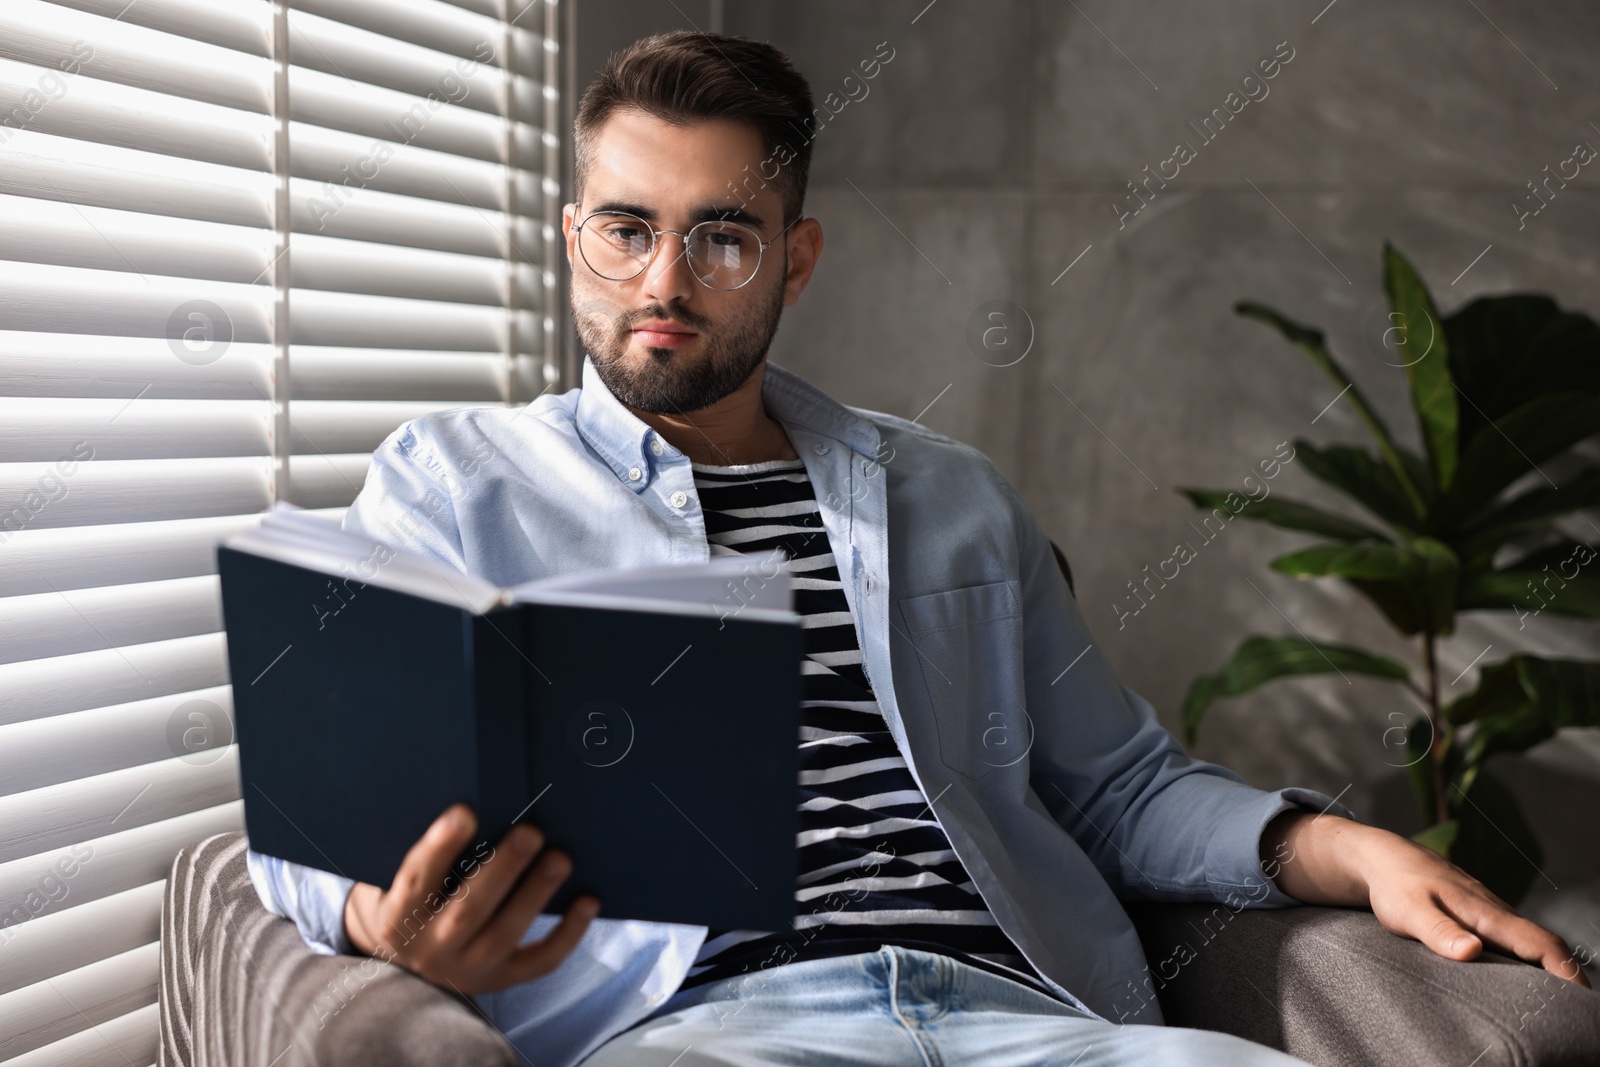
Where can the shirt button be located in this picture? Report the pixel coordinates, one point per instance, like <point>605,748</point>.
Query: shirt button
<point>679,499</point>
<point>821,450</point>
<point>655,446</point>
<point>634,474</point>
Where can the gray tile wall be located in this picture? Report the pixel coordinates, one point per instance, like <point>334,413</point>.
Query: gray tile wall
<point>988,156</point>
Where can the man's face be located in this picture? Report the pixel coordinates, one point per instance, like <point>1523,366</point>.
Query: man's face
<point>674,177</point>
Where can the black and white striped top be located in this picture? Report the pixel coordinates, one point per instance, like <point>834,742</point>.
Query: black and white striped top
<point>875,865</point>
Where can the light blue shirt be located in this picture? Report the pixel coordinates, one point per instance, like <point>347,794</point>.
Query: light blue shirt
<point>1056,785</point>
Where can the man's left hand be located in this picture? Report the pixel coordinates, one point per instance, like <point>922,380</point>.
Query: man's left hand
<point>1414,892</point>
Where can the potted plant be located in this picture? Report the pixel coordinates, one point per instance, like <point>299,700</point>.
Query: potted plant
<point>1501,388</point>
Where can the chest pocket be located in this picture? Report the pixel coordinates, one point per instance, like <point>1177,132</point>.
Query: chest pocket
<point>967,644</point>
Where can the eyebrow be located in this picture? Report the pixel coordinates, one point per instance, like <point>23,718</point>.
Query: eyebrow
<point>704,213</point>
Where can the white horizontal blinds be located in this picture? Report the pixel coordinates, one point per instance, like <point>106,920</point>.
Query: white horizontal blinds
<point>422,217</point>
<point>223,280</point>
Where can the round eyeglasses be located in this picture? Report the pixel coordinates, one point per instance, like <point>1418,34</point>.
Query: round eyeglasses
<point>618,246</point>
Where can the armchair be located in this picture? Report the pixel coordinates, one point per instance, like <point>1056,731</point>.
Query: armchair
<point>239,988</point>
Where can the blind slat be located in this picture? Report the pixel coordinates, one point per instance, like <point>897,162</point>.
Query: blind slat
<point>46,167</point>
<point>58,234</point>
<point>124,52</point>
<point>128,1039</point>
<point>378,59</point>
<point>38,949</point>
<point>105,113</point>
<point>51,819</point>
<point>41,688</point>
<point>46,752</point>
<point>60,623</point>
<point>429,23</point>
<point>330,373</point>
<point>113,863</point>
<point>82,557</point>
<point>240,25</point>
<point>41,1014</point>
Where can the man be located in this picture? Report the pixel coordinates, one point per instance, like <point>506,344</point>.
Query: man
<point>977,788</point>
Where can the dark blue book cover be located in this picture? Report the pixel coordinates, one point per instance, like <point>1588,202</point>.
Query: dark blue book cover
<point>658,749</point>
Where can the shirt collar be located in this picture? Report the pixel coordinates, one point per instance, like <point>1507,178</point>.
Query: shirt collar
<point>623,439</point>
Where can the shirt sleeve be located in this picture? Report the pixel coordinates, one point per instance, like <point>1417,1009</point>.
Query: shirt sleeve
<point>1157,823</point>
<point>312,899</point>
<point>408,498</point>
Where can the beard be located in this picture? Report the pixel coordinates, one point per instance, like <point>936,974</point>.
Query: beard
<point>673,380</point>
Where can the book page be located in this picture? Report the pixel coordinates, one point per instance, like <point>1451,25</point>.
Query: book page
<point>754,586</point>
<point>289,535</point>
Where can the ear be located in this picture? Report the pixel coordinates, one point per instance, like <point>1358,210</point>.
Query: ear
<point>569,217</point>
<point>803,243</point>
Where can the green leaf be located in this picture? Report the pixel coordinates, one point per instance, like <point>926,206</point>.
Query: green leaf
<point>1532,510</point>
<point>1524,700</point>
<point>1561,579</point>
<point>1365,559</point>
<point>1517,443</point>
<point>1506,350</point>
<point>1362,477</point>
<point>1427,363</point>
<point>1314,344</point>
<point>1414,585</point>
<point>1499,691</point>
<point>1440,837</point>
<point>1289,514</point>
<point>1495,844</point>
<point>1264,659</point>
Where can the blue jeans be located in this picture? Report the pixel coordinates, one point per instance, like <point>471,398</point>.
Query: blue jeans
<point>901,1007</point>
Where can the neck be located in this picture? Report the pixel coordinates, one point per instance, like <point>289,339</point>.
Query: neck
<point>734,430</point>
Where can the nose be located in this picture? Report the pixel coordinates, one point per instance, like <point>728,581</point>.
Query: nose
<point>669,277</point>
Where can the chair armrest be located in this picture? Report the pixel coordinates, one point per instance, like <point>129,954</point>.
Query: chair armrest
<point>240,987</point>
<point>1333,987</point>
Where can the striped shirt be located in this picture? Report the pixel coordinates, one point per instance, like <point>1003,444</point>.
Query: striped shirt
<point>875,866</point>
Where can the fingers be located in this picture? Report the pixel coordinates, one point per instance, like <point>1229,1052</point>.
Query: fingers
<point>542,957</point>
<point>1509,932</point>
<point>499,939</point>
<point>469,912</point>
<point>1444,934</point>
<point>422,872</point>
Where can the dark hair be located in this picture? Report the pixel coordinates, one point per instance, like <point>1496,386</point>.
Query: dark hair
<point>685,77</point>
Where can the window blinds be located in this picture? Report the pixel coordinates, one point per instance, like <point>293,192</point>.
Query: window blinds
<point>240,242</point>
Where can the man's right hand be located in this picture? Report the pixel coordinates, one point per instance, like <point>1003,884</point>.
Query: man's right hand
<point>468,939</point>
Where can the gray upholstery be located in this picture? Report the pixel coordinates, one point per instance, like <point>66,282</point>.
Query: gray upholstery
<point>240,989</point>
<point>1333,987</point>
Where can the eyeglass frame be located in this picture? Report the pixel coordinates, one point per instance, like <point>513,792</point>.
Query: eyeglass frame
<point>761,246</point>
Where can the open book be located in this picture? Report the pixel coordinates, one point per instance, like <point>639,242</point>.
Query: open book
<point>645,719</point>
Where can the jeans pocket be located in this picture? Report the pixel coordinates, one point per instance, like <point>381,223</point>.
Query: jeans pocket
<point>968,646</point>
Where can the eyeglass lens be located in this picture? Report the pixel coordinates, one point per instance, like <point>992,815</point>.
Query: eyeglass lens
<point>723,255</point>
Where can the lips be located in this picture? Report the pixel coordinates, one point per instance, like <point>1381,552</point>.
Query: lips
<point>658,333</point>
